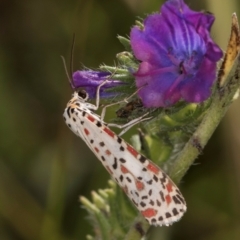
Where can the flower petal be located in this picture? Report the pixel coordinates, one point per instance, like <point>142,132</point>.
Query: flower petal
<point>90,80</point>
<point>156,93</point>
<point>196,90</point>
<point>178,57</point>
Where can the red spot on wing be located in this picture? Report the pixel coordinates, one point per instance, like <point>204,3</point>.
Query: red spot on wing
<point>169,187</point>
<point>168,199</point>
<point>139,185</point>
<point>108,152</point>
<point>153,168</point>
<point>123,169</point>
<point>109,132</point>
<point>91,118</point>
<point>86,131</point>
<point>96,149</point>
<point>149,212</point>
<point>132,150</point>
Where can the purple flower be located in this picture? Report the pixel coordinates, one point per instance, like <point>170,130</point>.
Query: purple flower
<point>90,80</point>
<point>178,57</point>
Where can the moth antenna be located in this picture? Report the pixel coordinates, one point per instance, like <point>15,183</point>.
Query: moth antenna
<point>66,70</point>
<point>72,53</point>
<point>71,62</point>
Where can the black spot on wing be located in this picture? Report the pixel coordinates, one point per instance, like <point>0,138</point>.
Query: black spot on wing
<point>151,202</point>
<point>119,140</point>
<point>153,220</point>
<point>129,179</point>
<point>155,178</point>
<point>180,198</point>
<point>121,178</point>
<point>142,159</point>
<point>168,215</point>
<point>115,163</point>
<point>150,182</point>
<point>176,201</point>
<point>68,111</point>
<point>136,193</point>
<point>99,124</point>
<point>175,212</point>
<point>122,148</point>
<point>162,196</point>
<point>122,160</point>
<point>158,203</point>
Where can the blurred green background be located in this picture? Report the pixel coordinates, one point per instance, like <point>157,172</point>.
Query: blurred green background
<point>44,167</point>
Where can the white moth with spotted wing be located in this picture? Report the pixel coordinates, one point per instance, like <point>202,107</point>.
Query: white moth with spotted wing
<point>148,187</point>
